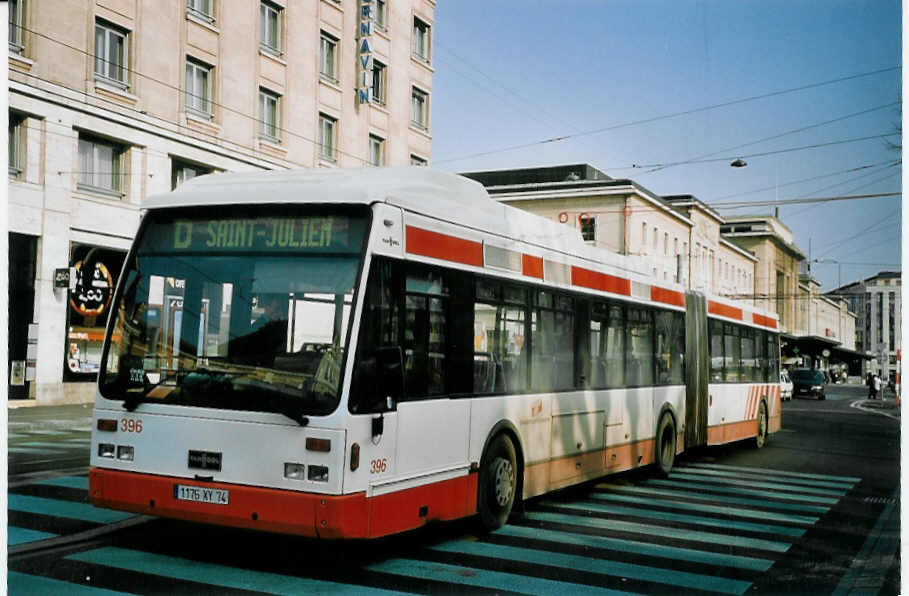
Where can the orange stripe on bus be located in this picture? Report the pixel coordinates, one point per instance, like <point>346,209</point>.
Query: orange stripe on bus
<point>765,321</point>
<point>600,281</point>
<point>730,312</point>
<point>532,266</point>
<point>667,296</point>
<point>442,246</point>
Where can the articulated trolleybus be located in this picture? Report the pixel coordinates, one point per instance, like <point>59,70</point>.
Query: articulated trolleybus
<point>350,354</point>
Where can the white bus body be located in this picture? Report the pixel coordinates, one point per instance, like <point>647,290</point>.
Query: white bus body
<point>362,469</point>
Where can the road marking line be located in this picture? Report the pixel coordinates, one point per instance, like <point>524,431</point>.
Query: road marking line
<point>678,517</point>
<point>22,535</point>
<point>687,494</point>
<point>481,578</point>
<point>720,509</point>
<point>775,473</point>
<point>794,482</point>
<point>80,482</point>
<point>34,450</point>
<point>24,583</point>
<point>664,531</point>
<point>777,487</point>
<point>870,566</point>
<point>67,509</point>
<point>639,548</point>
<point>214,574</point>
<point>713,488</point>
<point>594,565</point>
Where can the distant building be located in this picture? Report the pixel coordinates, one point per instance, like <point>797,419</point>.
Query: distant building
<point>876,301</point>
<point>676,238</point>
<point>110,101</point>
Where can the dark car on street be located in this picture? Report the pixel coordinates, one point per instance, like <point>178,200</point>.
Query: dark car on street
<point>808,382</point>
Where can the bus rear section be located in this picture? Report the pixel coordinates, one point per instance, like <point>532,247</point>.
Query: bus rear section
<point>223,365</point>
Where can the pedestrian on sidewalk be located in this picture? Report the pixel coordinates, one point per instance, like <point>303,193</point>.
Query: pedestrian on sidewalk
<point>877,388</point>
<point>869,381</point>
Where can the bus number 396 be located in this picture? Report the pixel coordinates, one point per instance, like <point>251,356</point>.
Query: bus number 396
<point>129,425</point>
<point>378,466</point>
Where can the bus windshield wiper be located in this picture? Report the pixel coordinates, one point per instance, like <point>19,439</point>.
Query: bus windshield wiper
<point>278,401</point>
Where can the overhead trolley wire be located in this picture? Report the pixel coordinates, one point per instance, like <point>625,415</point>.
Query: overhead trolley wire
<point>672,115</point>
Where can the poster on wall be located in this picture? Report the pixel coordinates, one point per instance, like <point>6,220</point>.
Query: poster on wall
<point>89,304</point>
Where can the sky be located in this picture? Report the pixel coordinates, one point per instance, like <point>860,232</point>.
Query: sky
<point>647,83</point>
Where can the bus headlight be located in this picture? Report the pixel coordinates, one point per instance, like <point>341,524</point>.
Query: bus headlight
<point>293,471</point>
<point>106,450</point>
<point>125,453</point>
<point>318,473</point>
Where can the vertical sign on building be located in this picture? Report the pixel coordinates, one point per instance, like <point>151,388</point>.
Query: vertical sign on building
<point>364,55</point>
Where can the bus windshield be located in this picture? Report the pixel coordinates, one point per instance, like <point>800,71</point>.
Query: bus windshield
<point>242,311</point>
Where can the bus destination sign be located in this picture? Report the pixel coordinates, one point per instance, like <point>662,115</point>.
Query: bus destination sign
<point>306,234</point>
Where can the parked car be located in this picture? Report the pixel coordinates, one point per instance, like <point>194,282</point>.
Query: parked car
<point>785,386</point>
<point>808,382</point>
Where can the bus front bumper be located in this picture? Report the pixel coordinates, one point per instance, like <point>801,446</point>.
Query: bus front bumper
<point>284,511</point>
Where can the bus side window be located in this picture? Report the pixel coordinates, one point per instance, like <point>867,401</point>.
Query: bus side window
<point>716,352</point>
<point>380,329</point>
<point>639,348</point>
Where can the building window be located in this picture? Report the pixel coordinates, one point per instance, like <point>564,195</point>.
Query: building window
<point>269,114</point>
<point>643,234</point>
<point>328,57</point>
<point>181,171</point>
<point>200,9</point>
<point>100,165</point>
<point>270,27</point>
<point>416,160</point>
<point>418,111</point>
<point>327,132</point>
<point>198,88</point>
<point>378,82</point>
<point>381,15</point>
<point>376,151</point>
<point>589,229</point>
<point>16,143</point>
<point>665,244</point>
<point>421,40</point>
<point>111,54</point>
<point>891,305</point>
<point>16,23</point>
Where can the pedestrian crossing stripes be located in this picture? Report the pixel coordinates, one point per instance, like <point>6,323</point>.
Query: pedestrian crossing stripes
<point>706,528</point>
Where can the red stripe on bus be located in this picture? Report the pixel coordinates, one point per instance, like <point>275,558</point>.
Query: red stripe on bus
<point>288,512</point>
<point>600,281</point>
<point>667,296</point>
<point>442,246</point>
<point>532,266</point>
<point>730,312</point>
<point>764,321</point>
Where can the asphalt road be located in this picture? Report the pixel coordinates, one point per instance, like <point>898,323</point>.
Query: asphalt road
<point>814,512</point>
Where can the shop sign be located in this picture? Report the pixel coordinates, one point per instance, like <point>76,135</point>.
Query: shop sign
<point>93,290</point>
<point>364,88</point>
<point>64,277</point>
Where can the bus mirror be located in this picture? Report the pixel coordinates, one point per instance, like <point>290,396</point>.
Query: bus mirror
<point>391,374</point>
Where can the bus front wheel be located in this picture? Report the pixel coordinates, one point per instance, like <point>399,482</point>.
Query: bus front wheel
<point>497,483</point>
<point>665,444</point>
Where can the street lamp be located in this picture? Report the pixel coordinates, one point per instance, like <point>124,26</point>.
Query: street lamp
<point>738,163</point>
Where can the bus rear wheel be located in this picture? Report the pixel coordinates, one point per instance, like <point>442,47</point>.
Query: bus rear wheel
<point>665,444</point>
<point>497,483</point>
<point>761,437</point>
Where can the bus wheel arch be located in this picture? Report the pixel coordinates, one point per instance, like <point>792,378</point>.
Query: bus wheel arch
<point>665,440</point>
<point>500,477</point>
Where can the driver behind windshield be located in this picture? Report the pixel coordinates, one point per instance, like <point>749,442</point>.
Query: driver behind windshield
<point>267,336</point>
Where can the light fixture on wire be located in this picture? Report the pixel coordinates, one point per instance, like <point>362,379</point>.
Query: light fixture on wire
<point>738,163</point>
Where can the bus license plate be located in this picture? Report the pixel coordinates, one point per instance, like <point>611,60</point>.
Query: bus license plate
<point>199,494</point>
